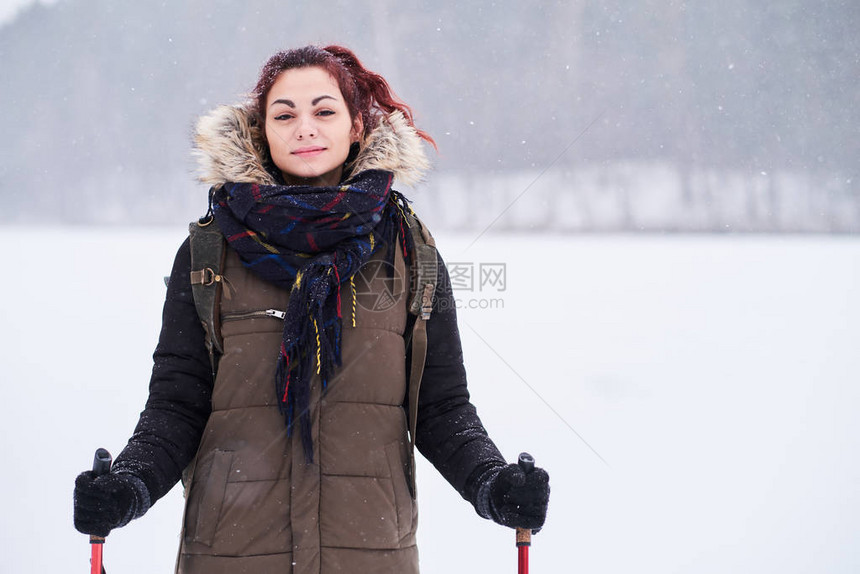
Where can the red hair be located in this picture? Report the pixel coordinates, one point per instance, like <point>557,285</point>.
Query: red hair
<point>365,93</point>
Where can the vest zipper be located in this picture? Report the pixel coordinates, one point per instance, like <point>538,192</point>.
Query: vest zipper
<point>274,313</point>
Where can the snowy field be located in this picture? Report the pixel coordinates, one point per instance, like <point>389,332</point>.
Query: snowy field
<point>695,399</point>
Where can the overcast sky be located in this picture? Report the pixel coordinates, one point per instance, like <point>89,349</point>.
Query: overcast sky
<point>8,8</point>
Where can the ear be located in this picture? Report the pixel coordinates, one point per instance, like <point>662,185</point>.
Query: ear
<point>357,129</point>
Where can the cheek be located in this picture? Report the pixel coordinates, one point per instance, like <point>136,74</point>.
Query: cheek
<point>274,141</point>
<point>348,135</point>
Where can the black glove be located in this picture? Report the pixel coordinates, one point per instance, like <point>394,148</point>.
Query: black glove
<point>514,498</point>
<point>109,501</point>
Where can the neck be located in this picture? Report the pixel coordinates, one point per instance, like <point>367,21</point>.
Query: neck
<point>329,179</point>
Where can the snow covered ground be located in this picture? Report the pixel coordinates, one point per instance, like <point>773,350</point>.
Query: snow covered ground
<point>694,398</point>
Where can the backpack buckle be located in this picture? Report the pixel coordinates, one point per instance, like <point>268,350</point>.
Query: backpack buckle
<point>205,277</point>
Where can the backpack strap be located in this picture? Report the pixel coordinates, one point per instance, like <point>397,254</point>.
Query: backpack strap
<point>208,250</point>
<point>424,273</point>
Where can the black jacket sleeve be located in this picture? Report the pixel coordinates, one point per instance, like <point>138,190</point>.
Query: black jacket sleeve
<point>450,435</point>
<point>169,430</point>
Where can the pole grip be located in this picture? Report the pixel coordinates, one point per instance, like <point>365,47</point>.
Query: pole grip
<point>524,535</point>
<point>526,462</point>
<point>102,462</point>
<point>101,465</point>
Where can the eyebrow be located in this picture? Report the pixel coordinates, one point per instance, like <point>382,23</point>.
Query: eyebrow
<point>290,103</point>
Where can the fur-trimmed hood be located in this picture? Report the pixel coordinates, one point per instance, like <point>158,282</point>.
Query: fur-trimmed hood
<point>230,145</point>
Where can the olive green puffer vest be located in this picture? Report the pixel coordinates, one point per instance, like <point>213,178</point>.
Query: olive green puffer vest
<point>253,504</point>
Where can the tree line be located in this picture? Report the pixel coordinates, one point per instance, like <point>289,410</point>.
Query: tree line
<point>101,96</point>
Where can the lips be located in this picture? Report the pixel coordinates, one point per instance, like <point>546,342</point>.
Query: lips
<point>308,151</point>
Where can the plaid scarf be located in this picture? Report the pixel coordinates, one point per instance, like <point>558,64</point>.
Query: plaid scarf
<point>310,240</point>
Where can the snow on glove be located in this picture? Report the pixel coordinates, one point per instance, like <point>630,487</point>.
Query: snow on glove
<point>515,498</point>
<point>108,501</point>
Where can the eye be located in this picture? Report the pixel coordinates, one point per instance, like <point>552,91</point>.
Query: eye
<point>325,113</point>
<point>281,117</point>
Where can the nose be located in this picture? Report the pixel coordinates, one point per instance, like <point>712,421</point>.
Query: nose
<point>306,128</point>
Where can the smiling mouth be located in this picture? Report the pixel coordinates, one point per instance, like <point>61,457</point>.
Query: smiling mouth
<point>308,151</point>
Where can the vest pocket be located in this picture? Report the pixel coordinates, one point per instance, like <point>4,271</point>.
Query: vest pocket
<point>211,499</point>
<point>402,499</point>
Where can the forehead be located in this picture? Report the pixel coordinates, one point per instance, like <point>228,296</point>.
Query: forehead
<point>304,83</point>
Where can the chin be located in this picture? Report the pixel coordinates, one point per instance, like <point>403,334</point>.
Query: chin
<point>316,177</point>
<point>312,178</point>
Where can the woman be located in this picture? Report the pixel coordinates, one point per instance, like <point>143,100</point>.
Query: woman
<point>296,452</point>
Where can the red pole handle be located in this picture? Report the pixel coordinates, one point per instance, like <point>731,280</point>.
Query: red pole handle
<point>523,560</point>
<point>96,565</point>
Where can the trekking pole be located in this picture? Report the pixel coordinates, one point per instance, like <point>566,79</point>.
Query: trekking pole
<point>101,465</point>
<point>524,535</point>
